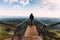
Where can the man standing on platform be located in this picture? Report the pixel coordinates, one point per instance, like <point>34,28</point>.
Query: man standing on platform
<point>31,19</point>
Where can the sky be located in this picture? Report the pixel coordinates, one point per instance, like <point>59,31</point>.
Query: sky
<point>39,8</point>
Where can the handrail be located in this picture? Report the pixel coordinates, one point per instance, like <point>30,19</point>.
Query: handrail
<point>21,23</point>
<point>18,26</point>
<point>53,24</point>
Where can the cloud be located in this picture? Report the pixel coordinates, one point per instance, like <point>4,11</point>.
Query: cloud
<point>10,1</point>
<point>16,6</point>
<point>54,4</point>
<point>5,1</point>
<point>24,2</point>
<point>50,4</point>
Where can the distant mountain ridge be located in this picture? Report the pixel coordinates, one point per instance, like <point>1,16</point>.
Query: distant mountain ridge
<point>49,20</point>
<point>42,19</point>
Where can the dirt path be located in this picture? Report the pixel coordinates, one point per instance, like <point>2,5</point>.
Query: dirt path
<point>31,34</point>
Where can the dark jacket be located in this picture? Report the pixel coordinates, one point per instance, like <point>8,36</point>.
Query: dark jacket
<point>31,17</point>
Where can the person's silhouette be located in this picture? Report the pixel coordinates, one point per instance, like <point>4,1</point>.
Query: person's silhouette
<point>31,19</point>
